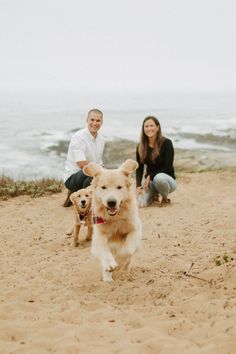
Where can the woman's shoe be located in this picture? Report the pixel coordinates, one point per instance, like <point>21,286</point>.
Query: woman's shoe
<point>165,201</point>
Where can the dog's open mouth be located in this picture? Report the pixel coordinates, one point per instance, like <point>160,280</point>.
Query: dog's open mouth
<point>112,211</point>
<point>83,206</point>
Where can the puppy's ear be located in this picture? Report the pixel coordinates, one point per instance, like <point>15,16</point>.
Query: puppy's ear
<point>73,196</point>
<point>89,190</point>
<point>92,169</point>
<point>128,167</point>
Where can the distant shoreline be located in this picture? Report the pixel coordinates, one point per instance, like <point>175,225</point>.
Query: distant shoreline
<point>185,160</point>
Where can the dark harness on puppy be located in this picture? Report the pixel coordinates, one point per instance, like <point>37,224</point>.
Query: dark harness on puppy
<point>82,216</point>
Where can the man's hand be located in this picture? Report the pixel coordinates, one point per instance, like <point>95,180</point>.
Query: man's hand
<point>81,164</point>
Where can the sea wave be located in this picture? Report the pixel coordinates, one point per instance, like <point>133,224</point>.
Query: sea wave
<point>182,140</point>
<point>218,142</point>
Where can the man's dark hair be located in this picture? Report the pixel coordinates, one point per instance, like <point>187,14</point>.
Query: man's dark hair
<point>95,110</point>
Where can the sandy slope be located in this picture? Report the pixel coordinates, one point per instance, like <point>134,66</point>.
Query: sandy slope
<point>53,301</point>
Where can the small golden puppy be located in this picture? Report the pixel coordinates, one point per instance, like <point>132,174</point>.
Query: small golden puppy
<point>82,203</point>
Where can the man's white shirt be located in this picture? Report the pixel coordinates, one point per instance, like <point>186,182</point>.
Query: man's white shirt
<point>83,147</point>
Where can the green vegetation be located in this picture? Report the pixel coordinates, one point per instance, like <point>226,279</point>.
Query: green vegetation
<point>34,188</point>
<point>221,260</point>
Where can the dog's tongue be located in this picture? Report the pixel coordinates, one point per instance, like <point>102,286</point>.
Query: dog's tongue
<point>112,211</point>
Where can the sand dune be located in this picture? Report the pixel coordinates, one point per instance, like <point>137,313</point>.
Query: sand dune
<point>175,299</point>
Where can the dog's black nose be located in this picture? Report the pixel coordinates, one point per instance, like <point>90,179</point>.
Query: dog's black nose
<point>83,202</point>
<point>111,203</point>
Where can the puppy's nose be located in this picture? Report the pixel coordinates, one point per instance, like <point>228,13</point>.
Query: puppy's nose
<point>83,202</point>
<point>111,203</point>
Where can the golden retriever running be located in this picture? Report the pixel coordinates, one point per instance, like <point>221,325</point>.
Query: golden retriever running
<point>82,203</point>
<point>117,229</point>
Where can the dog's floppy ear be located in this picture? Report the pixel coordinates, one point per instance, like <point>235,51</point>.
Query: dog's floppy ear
<point>89,190</point>
<point>92,169</point>
<point>73,196</point>
<point>128,167</point>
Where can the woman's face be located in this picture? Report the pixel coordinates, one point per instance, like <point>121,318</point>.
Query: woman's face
<point>150,128</point>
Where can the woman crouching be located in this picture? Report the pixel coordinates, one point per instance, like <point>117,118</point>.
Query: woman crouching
<point>156,153</point>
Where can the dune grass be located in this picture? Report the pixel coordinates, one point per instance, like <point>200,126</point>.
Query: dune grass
<point>35,188</point>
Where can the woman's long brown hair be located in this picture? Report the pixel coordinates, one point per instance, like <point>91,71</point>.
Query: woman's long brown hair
<point>143,145</point>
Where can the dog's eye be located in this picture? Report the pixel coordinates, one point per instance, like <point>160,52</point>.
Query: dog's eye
<point>119,187</point>
<point>79,195</point>
<point>86,195</point>
<point>104,187</point>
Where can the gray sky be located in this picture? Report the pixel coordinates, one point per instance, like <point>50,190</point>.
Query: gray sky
<point>123,45</point>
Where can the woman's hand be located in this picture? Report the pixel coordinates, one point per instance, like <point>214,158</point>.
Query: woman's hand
<point>146,183</point>
<point>138,191</point>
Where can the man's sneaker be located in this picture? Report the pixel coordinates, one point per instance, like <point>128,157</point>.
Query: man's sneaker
<point>67,203</point>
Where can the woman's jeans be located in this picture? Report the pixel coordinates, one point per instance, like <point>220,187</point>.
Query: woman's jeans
<point>161,184</point>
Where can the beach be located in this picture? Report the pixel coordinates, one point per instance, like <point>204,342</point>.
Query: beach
<point>130,61</point>
<point>179,295</point>
<point>35,130</point>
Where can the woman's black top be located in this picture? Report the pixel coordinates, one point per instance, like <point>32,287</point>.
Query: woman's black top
<point>163,163</point>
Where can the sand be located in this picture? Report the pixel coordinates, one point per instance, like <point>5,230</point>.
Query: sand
<point>175,299</point>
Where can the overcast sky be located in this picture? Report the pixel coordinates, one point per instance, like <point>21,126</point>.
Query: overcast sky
<point>123,45</point>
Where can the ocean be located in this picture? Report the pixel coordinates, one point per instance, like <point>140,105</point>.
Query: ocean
<point>30,124</point>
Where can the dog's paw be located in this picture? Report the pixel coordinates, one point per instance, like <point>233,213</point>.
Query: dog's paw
<point>75,243</point>
<point>111,266</point>
<point>88,238</point>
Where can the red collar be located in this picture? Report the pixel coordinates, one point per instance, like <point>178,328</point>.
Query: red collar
<point>98,220</point>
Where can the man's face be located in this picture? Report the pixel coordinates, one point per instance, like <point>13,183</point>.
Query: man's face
<point>94,122</point>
